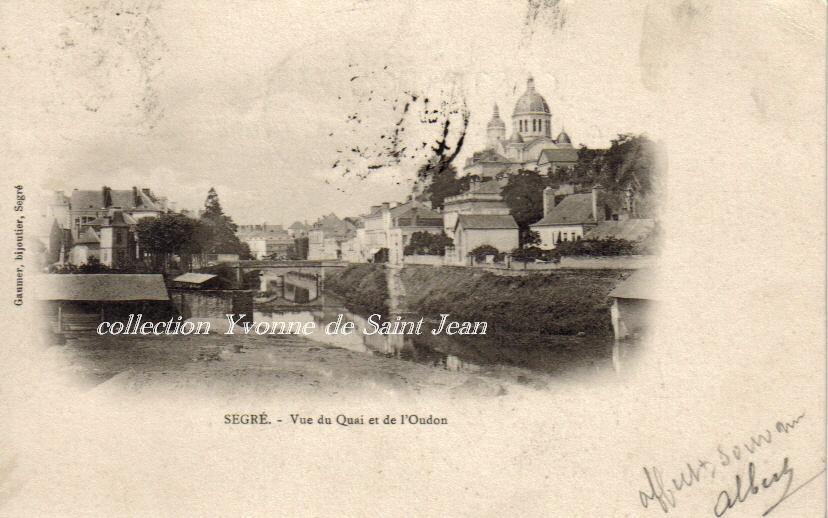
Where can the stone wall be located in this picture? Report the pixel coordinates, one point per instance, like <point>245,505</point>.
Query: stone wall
<point>212,303</point>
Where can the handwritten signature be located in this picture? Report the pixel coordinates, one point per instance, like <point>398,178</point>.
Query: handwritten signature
<point>752,486</point>
<point>665,492</point>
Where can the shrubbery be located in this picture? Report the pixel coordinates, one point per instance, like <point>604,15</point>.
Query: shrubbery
<point>598,247</point>
<point>482,251</point>
<point>426,243</point>
<point>533,253</point>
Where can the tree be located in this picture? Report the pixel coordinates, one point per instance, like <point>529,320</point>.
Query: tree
<point>56,240</point>
<point>523,194</point>
<point>167,235</point>
<point>426,243</point>
<point>216,233</point>
<point>444,182</point>
<point>300,248</point>
<point>632,161</point>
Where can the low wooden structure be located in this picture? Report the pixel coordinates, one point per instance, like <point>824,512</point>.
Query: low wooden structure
<point>76,302</point>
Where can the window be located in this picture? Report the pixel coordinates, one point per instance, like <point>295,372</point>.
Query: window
<point>573,236</point>
<point>564,236</point>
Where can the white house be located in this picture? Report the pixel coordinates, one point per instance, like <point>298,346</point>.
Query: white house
<point>473,230</point>
<point>572,218</point>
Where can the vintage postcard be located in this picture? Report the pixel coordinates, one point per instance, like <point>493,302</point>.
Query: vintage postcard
<point>358,258</point>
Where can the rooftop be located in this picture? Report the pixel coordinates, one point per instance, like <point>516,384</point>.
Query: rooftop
<point>629,229</point>
<point>558,155</point>
<point>574,209</point>
<point>195,278</point>
<point>639,285</point>
<point>111,287</point>
<point>485,221</point>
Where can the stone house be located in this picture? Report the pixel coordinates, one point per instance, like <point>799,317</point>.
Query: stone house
<point>473,230</point>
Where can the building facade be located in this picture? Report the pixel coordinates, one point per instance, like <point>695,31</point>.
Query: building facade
<point>530,146</point>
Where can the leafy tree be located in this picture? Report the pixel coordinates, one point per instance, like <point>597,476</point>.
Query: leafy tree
<point>523,194</point>
<point>426,243</point>
<point>532,238</point>
<point>630,161</point>
<point>300,248</point>
<point>167,235</point>
<point>216,233</point>
<point>444,182</point>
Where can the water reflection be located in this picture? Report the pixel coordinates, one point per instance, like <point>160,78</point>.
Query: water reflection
<point>405,347</point>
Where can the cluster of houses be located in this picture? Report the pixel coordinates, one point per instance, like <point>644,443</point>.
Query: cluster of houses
<point>480,216</point>
<point>475,218</point>
<point>89,225</point>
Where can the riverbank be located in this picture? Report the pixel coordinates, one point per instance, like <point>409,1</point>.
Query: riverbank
<point>242,365</point>
<point>560,302</point>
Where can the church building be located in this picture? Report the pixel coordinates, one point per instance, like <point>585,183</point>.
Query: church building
<point>530,145</point>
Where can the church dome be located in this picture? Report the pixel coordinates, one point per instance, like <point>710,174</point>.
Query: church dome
<point>531,101</point>
<point>563,138</point>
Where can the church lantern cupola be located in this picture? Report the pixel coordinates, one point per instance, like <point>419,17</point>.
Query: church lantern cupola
<point>495,130</point>
<point>531,117</point>
<point>563,139</point>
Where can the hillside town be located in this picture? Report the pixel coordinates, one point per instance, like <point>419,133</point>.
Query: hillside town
<point>529,203</point>
<point>525,192</point>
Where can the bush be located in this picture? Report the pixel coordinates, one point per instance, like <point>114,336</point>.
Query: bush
<point>533,253</point>
<point>482,251</point>
<point>598,247</point>
<point>426,243</point>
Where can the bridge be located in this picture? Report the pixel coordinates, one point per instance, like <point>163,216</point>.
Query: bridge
<point>297,281</point>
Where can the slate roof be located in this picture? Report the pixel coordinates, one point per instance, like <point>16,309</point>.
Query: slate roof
<point>639,285</point>
<point>488,187</point>
<point>485,221</point>
<point>195,278</point>
<point>104,287</point>
<point>574,209</point>
<point>332,226</point>
<point>558,155</point>
<point>87,238</point>
<point>89,199</point>
<point>630,229</point>
<point>489,155</point>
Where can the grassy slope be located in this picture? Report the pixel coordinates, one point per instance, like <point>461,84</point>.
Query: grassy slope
<point>556,302</point>
<point>559,302</point>
<point>362,287</point>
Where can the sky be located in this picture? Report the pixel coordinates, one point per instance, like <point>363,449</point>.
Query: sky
<point>261,99</point>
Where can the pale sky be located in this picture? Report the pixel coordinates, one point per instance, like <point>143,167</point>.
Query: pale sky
<point>254,99</point>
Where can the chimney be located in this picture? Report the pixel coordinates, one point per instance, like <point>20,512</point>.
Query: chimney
<point>106,193</point>
<point>548,200</point>
<point>597,191</point>
<point>386,205</point>
<point>136,200</point>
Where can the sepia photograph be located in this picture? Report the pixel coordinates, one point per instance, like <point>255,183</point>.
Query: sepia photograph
<point>360,258</point>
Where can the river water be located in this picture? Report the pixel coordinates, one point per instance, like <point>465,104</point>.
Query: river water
<point>542,353</point>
